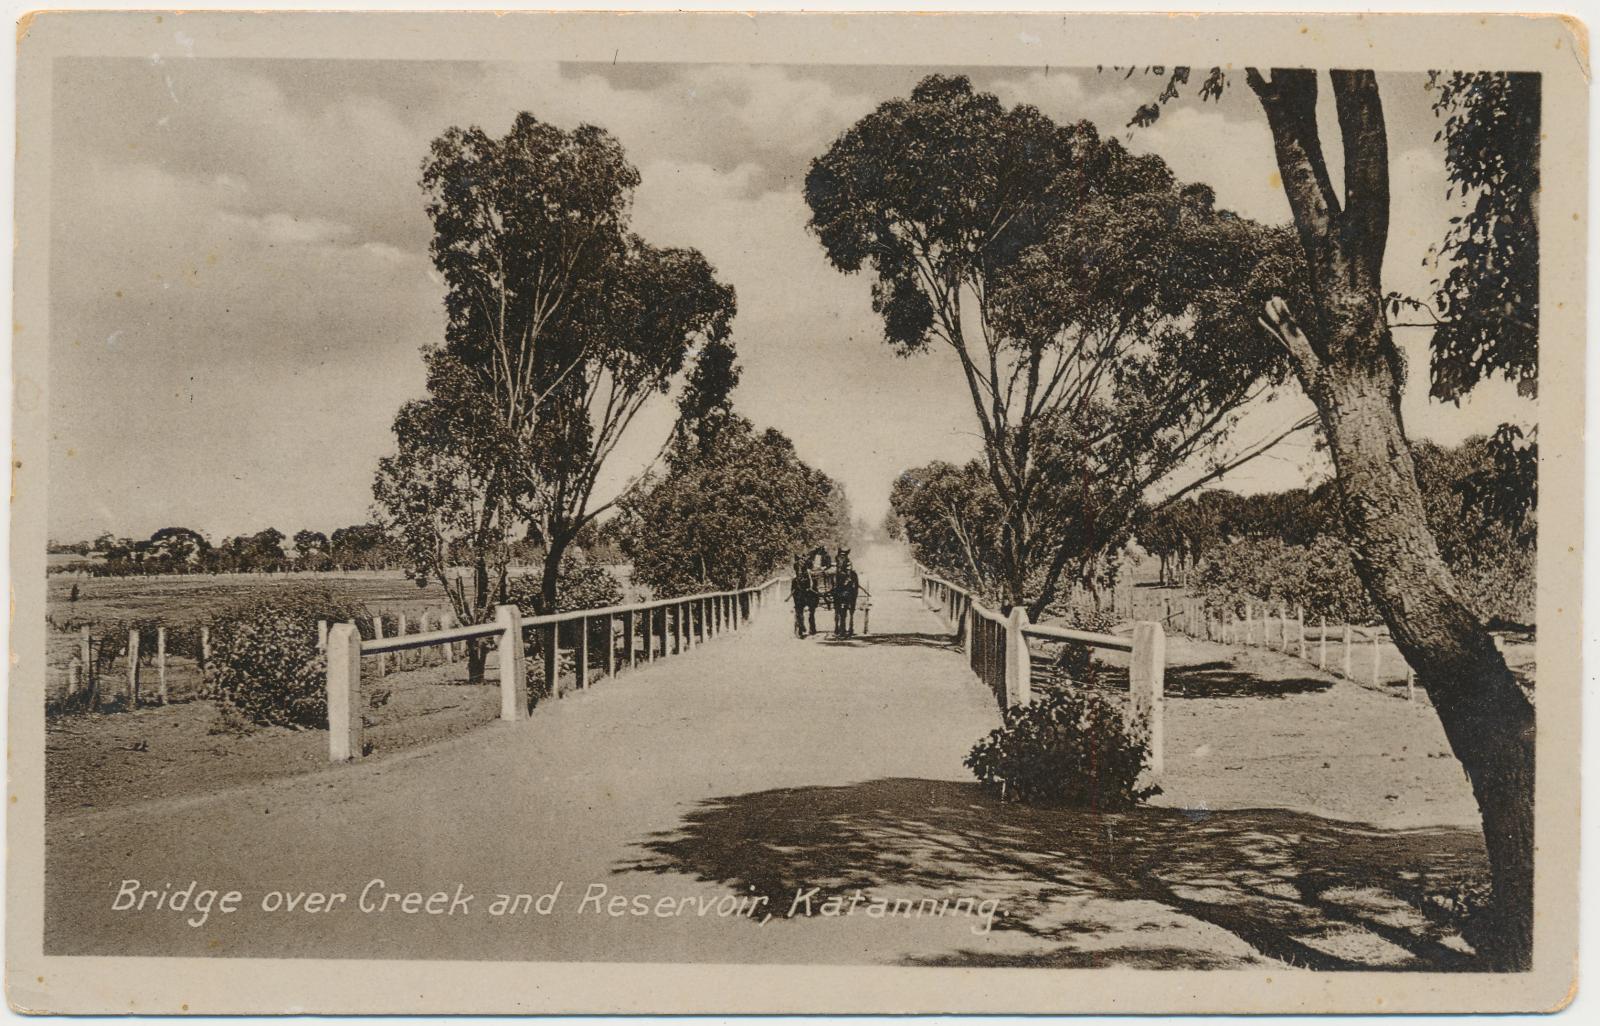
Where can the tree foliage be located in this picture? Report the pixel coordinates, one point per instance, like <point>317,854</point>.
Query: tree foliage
<point>561,326</point>
<point>1102,314</point>
<point>735,506</point>
<point>1487,302</point>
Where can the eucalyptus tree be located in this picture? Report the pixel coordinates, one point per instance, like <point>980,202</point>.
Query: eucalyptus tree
<point>561,325</point>
<point>1088,297</point>
<point>1338,335</point>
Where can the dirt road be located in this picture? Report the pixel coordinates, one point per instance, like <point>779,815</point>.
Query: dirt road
<point>760,799</point>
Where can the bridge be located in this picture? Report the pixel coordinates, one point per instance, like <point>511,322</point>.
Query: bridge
<point>756,798</point>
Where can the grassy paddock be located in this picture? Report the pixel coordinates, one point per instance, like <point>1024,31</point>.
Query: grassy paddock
<point>183,603</point>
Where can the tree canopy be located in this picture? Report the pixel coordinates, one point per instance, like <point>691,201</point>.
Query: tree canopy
<point>1103,315</point>
<point>561,326</point>
<point>735,505</point>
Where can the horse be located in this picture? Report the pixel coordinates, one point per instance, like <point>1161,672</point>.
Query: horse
<point>805,598</point>
<point>846,587</point>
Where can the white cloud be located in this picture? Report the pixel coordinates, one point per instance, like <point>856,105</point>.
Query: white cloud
<point>252,237</point>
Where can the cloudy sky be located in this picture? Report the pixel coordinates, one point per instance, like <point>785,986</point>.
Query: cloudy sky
<point>240,283</point>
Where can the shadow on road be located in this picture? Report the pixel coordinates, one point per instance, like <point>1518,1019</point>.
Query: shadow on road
<point>1216,679</point>
<point>903,639</point>
<point>1309,891</point>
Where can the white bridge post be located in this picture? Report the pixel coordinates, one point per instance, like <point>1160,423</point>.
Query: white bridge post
<point>513,674</point>
<point>344,693</point>
<point>1019,665</point>
<point>1146,683</point>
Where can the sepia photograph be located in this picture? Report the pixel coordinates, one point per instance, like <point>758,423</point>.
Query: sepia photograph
<point>863,513</point>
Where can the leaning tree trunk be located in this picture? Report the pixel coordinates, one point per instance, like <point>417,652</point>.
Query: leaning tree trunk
<point>1488,721</point>
<point>1348,364</point>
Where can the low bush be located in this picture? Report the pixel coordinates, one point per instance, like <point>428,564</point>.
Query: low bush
<point>1067,747</point>
<point>265,667</point>
<point>267,670</point>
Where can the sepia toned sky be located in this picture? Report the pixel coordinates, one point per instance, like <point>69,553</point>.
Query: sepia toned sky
<point>240,283</point>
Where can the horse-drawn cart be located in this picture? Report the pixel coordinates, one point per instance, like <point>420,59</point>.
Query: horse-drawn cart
<point>836,588</point>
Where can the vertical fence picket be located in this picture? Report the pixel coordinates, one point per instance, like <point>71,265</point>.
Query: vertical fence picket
<point>161,664</point>
<point>133,669</point>
<point>580,654</point>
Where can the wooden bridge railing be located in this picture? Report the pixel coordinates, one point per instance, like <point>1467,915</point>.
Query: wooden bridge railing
<point>997,647</point>
<point>650,630</point>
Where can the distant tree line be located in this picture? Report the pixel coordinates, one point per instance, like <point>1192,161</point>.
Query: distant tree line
<point>1291,545</point>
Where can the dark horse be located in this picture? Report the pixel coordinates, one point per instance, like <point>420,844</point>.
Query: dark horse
<point>846,587</point>
<point>804,596</point>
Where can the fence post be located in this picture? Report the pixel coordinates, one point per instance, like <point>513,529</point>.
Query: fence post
<point>1146,683</point>
<point>1347,653</point>
<point>1300,628</point>
<point>1249,623</point>
<point>344,693</point>
<point>1019,665</point>
<point>552,659</point>
<point>580,654</point>
<point>630,628</point>
<point>1322,641</point>
<point>377,633</point>
<point>161,663</point>
<point>611,645</point>
<point>86,653</point>
<point>513,672</point>
<point>400,658</point>
<point>133,669</point>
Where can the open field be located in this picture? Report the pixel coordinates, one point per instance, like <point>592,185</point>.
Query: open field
<point>184,603</point>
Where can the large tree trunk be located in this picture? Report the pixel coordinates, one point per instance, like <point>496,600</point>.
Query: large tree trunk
<point>550,579</point>
<point>1488,721</point>
<point>1347,362</point>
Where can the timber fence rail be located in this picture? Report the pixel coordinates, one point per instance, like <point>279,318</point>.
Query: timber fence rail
<point>648,631</point>
<point>996,645</point>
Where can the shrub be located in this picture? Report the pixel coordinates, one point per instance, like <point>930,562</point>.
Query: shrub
<point>307,603</point>
<point>1067,747</point>
<point>265,667</point>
